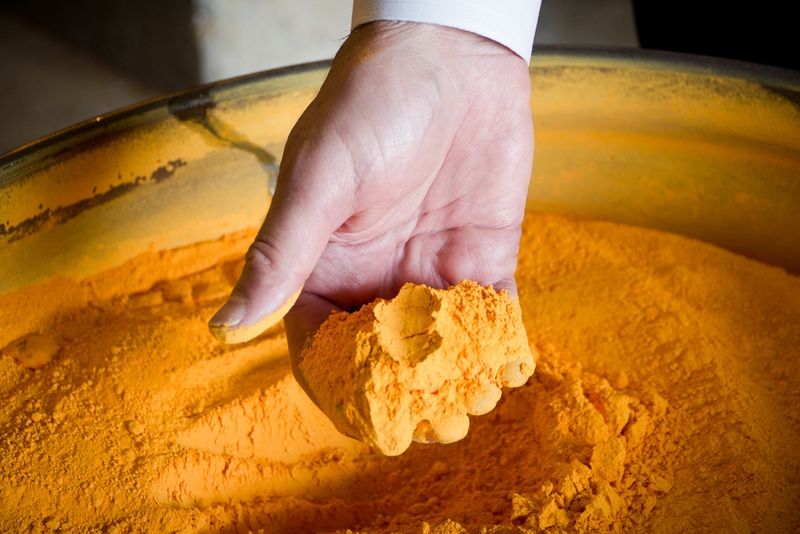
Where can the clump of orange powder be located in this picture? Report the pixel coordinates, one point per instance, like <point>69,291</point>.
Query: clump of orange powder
<point>664,400</point>
<point>415,366</point>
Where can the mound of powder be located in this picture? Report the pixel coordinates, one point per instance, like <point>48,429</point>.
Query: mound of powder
<point>664,400</point>
<point>413,368</point>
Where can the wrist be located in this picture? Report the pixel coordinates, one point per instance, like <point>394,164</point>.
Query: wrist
<point>429,38</point>
<point>509,22</point>
<point>449,55</point>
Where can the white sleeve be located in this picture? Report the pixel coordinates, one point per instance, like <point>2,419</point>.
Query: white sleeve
<point>511,23</point>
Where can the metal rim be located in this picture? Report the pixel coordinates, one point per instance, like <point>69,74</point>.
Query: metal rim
<point>783,82</point>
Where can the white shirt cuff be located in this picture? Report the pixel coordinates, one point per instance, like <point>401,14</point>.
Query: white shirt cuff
<point>511,23</point>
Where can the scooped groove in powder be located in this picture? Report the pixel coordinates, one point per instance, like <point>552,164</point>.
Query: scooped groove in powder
<point>414,367</point>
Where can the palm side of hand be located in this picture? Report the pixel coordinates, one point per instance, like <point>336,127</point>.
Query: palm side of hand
<point>412,164</point>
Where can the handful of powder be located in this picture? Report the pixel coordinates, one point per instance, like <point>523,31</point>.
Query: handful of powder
<point>413,368</point>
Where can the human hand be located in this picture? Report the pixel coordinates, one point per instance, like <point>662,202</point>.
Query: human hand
<point>411,164</point>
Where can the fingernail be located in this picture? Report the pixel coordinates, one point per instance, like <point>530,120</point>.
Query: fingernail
<point>230,314</point>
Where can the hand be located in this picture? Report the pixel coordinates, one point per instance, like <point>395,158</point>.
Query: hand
<point>411,165</point>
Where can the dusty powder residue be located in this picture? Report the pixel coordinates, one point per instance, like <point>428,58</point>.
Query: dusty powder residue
<point>665,399</point>
<point>417,365</point>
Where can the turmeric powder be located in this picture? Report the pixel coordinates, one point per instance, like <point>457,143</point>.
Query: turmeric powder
<point>664,400</point>
<point>413,367</point>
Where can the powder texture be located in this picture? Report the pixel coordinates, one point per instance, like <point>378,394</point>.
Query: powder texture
<point>415,366</point>
<point>664,400</point>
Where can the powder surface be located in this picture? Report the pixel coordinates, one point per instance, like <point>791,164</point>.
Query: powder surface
<point>664,400</point>
<point>415,366</point>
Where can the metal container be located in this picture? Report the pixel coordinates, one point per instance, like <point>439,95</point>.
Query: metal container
<point>705,148</point>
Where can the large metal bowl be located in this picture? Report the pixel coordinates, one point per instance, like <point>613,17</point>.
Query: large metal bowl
<point>704,148</point>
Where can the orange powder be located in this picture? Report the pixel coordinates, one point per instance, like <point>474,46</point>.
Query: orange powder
<point>664,400</point>
<point>415,366</point>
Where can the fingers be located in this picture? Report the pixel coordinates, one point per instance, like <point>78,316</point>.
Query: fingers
<point>301,322</point>
<point>484,399</point>
<point>507,284</point>
<point>446,429</point>
<point>485,255</point>
<point>239,333</point>
<point>307,208</point>
<point>304,319</point>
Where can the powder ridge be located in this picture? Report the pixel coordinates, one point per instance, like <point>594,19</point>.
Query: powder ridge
<point>414,367</point>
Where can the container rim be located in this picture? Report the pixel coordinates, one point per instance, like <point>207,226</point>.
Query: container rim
<point>784,82</point>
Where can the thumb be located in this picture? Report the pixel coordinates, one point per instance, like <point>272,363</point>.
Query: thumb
<point>306,209</point>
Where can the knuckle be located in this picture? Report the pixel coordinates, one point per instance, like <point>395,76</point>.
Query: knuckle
<point>266,257</point>
<point>263,255</point>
